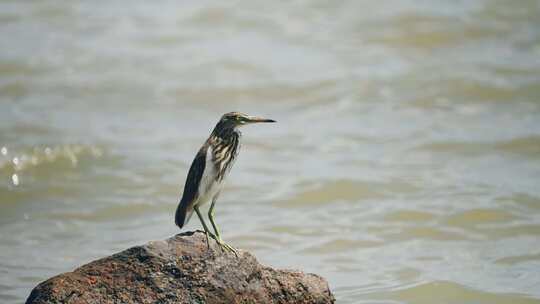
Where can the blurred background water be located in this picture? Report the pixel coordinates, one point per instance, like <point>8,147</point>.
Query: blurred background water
<point>405,166</point>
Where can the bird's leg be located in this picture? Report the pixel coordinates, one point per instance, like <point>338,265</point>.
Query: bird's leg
<point>211,217</point>
<point>206,230</point>
<point>216,230</point>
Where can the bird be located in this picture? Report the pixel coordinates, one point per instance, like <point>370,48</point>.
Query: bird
<point>208,171</point>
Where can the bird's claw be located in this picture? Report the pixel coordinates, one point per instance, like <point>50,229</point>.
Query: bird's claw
<point>226,247</point>
<point>222,245</point>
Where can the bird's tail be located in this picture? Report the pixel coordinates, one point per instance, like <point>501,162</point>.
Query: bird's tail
<point>182,215</point>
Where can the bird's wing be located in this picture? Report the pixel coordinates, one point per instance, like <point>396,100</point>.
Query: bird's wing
<point>191,187</point>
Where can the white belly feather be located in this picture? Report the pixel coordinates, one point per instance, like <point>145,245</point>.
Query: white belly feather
<point>209,186</point>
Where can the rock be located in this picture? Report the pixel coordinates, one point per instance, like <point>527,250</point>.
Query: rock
<point>181,269</point>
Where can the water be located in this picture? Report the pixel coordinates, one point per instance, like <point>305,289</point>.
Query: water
<point>405,166</point>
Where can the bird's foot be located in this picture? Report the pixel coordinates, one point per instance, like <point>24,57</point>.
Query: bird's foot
<point>226,247</point>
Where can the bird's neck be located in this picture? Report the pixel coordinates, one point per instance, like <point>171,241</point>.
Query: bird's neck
<point>225,134</point>
<point>224,147</point>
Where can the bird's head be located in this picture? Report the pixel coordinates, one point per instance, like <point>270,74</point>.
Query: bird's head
<point>232,120</point>
<point>236,119</point>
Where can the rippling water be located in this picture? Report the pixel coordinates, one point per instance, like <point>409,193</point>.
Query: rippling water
<point>405,167</point>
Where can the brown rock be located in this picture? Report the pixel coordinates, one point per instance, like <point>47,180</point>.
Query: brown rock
<point>181,270</point>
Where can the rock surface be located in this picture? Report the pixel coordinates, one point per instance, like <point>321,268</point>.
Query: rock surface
<point>181,269</point>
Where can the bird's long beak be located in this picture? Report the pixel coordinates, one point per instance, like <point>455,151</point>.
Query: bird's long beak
<point>253,119</point>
